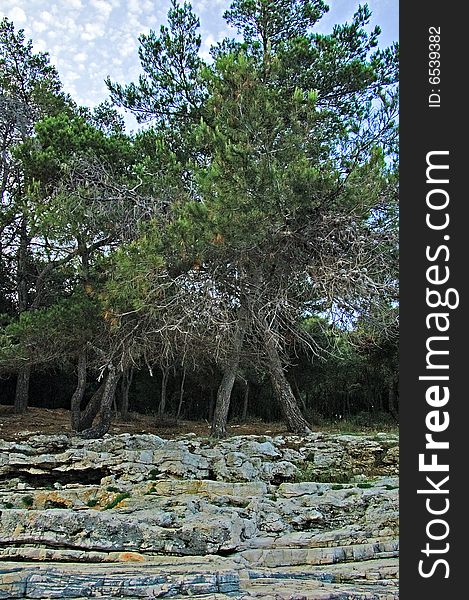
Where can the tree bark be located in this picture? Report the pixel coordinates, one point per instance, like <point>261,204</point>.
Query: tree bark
<point>79,392</point>
<point>91,410</point>
<point>295,420</point>
<point>181,394</point>
<point>125,387</point>
<point>22,389</point>
<point>164,386</point>
<point>222,406</point>
<point>246,402</point>
<point>392,397</point>
<point>24,373</point>
<point>105,413</point>
<point>299,397</point>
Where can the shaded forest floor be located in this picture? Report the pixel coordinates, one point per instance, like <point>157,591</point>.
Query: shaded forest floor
<point>55,421</point>
<point>48,422</point>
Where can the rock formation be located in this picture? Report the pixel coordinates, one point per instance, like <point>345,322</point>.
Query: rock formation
<point>137,516</point>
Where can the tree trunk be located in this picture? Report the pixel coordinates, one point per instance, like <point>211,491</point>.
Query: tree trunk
<point>91,410</point>
<point>181,394</point>
<point>79,392</point>
<point>164,386</point>
<point>299,397</point>
<point>22,389</point>
<point>24,373</point>
<point>392,396</point>
<point>222,406</point>
<point>125,387</point>
<point>105,413</point>
<point>295,420</point>
<point>245,403</point>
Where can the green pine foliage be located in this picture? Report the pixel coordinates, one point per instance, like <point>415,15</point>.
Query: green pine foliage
<point>263,190</point>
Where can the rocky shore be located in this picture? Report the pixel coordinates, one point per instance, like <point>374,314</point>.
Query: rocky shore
<point>137,516</point>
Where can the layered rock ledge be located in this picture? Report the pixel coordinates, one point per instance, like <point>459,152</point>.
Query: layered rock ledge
<point>137,516</point>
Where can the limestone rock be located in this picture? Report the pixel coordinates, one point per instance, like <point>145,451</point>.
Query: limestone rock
<point>311,517</point>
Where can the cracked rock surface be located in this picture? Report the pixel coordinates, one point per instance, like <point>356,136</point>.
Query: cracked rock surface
<point>137,516</point>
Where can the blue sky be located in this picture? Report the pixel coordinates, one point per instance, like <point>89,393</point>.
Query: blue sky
<point>90,39</point>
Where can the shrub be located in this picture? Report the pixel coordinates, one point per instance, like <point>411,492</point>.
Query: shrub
<point>27,501</point>
<point>116,500</point>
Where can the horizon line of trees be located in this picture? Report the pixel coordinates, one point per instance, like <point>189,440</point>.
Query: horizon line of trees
<point>244,242</point>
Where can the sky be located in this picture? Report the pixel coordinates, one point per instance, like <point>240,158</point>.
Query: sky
<point>90,39</point>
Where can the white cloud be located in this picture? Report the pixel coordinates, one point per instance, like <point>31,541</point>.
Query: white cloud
<point>75,4</point>
<point>103,7</point>
<point>223,33</point>
<point>132,22</point>
<point>208,42</point>
<point>66,24</point>
<point>199,6</point>
<point>152,21</point>
<point>46,17</point>
<point>39,26</point>
<point>147,6</point>
<point>92,31</point>
<point>80,57</point>
<point>72,90</point>
<point>40,45</point>
<point>17,15</point>
<point>128,45</point>
<point>133,6</point>
<point>70,77</point>
<point>127,51</point>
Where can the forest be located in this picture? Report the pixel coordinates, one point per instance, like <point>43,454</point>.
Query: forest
<point>235,258</point>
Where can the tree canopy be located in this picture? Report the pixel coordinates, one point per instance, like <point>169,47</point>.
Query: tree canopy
<point>249,228</point>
